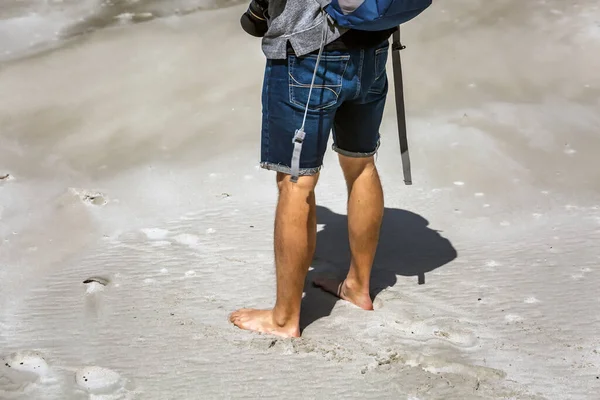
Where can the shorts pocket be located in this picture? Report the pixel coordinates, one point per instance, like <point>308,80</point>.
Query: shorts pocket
<point>380,82</point>
<point>328,81</point>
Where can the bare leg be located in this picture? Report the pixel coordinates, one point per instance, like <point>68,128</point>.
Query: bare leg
<point>295,242</point>
<point>365,213</point>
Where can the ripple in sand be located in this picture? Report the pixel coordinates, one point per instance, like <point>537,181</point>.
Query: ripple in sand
<point>531,300</point>
<point>155,233</point>
<point>513,318</point>
<point>187,239</point>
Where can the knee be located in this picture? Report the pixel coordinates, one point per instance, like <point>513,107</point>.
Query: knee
<point>355,167</point>
<point>305,185</point>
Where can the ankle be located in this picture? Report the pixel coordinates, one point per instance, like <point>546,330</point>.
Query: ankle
<point>284,319</point>
<point>356,286</point>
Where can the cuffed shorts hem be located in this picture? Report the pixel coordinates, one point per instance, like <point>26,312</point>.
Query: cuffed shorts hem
<point>355,154</point>
<point>287,170</point>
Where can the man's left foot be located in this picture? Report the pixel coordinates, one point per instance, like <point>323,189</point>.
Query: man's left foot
<point>262,321</point>
<point>346,291</point>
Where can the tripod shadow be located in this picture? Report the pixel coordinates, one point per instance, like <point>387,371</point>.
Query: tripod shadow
<point>407,247</point>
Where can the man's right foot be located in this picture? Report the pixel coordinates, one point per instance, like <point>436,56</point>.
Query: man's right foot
<point>262,321</point>
<point>345,291</point>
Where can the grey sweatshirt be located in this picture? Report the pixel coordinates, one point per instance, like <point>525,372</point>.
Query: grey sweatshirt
<point>299,22</point>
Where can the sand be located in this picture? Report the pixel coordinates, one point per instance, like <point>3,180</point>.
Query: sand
<point>128,159</point>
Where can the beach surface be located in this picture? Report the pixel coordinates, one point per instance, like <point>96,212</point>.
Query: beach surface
<point>134,217</point>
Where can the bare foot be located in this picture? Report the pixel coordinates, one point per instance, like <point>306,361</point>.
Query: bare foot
<point>262,321</point>
<point>344,291</point>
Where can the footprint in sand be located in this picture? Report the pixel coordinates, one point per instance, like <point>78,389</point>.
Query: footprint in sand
<point>97,380</point>
<point>447,329</point>
<point>95,284</point>
<point>90,197</point>
<point>22,368</point>
<point>6,177</point>
<point>451,331</point>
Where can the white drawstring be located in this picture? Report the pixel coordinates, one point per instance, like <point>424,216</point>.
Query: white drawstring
<point>300,134</point>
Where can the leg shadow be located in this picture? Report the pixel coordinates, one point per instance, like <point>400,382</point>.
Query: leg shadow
<point>407,247</point>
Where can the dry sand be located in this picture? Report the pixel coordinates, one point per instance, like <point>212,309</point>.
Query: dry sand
<point>132,157</point>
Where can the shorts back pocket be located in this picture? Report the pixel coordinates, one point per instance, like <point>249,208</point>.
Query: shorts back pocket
<point>328,80</point>
<point>380,82</point>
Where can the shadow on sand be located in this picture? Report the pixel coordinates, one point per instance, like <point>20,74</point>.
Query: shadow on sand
<point>407,247</point>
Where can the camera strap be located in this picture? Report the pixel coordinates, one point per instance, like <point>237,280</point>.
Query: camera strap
<point>300,134</point>
<point>397,46</point>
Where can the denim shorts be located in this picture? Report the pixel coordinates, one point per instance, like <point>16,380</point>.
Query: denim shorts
<point>348,98</point>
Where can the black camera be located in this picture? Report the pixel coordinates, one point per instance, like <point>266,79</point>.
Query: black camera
<point>254,20</point>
